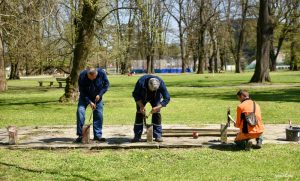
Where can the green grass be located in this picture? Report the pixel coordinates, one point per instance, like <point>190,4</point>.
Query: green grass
<point>274,162</point>
<point>195,100</point>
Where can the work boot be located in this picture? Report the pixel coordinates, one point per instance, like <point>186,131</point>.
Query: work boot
<point>248,146</point>
<point>78,140</point>
<point>258,144</point>
<point>100,139</point>
<point>135,140</point>
<point>159,139</point>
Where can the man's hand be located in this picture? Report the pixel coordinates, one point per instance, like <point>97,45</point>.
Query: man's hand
<point>156,109</point>
<point>142,109</point>
<point>93,106</point>
<point>142,106</point>
<point>97,98</point>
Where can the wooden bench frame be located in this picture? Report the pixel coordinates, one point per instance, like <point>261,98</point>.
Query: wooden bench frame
<point>60,81</point>
<point>41,83</point>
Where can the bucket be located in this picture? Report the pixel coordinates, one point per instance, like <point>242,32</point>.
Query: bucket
<point>293,133</point>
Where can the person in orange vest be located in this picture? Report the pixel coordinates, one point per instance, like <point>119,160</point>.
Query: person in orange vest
<point>249,128</point>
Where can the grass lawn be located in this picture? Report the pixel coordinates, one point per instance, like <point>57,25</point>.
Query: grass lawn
<point>195,100</point>
<point>273,162</point>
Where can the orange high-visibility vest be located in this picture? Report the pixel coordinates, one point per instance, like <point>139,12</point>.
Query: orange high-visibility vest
<point>246,107</point>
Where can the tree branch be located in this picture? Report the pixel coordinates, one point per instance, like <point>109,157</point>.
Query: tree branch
<point>176,19</point>
<point>103,17</point>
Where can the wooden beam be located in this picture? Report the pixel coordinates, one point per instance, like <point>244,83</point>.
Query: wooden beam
<point>199,130</point>
<point>217,134</point>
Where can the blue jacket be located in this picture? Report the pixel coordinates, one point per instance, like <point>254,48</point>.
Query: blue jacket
<point>89,89</point>
<point>141,89</point>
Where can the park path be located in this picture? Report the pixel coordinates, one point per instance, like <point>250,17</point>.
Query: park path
<point>118,136</point>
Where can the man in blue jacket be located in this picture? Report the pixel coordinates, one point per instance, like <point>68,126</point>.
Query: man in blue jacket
<point>149,88</point>
<point>92,83</point>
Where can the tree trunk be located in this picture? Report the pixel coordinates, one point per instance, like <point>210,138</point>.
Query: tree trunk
<point>241,37</point>
<point>216,61</point>
<point>213,60</point>
<point>129,39</point>
<point>3,85</point>
<point>264,34</point>
<point>160,32</point>
<point>148,59</point>
<point>182,50</point>
<point>201,40</point>
<point>123,67</point>
<point>210,64</point>
<point>83,43</point>
<point>201,52</point>
<point>14,71</point>
<point>117,66</point>
<point>294,60</point>
<point>222,59</point>
<point>273,55</point>
<point>152,62</point>
<point>195,62</point>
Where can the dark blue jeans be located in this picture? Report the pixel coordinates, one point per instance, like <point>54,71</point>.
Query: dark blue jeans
<point>97,117</point>
<point>156,121</point>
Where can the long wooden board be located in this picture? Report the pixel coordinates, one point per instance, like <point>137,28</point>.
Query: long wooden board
<point>218,134</point>
<point>199,130</point>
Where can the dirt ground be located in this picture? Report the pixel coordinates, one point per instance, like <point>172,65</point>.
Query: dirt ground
<point>119,136</point>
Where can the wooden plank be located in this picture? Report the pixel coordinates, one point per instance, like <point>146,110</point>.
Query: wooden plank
<point>199,134</point>
<point>181,146</point>
<point>12,135</point>
<point>86,134</point>
<point>149,133</point>
<point>224,133</point>
<point>105,146</point>
<point>188,130</point>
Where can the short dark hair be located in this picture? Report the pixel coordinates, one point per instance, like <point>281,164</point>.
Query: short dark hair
<point>243,92</point>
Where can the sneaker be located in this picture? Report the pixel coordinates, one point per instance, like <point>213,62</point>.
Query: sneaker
<point>248,146</point>
<point>258,144</point>
<point>100,139</point>
<point>78,140</point>
<point>135,140</point>
<point>158,140</point>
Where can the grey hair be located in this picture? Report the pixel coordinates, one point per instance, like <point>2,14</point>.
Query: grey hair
<point>92,71</point>
<point>153,84</point>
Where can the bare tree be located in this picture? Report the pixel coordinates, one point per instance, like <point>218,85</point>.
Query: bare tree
<point>125,36</point>
<point>148,17</point>
<point>285,13</point>
<point>206,12</point>
<point>178,17</point>
<point>236,43</point>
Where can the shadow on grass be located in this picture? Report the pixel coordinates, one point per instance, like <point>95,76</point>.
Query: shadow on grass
<point>208,82</point>
<point>225,147</point>
<point>29,90</point>
<point>35,103</point>
<point>276,95</point>
<point>43,171</point>
<point>110,141</point>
